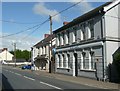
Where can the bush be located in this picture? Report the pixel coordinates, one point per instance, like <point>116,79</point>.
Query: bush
<point>117,62</point>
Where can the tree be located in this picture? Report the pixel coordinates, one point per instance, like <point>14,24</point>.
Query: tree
<point>26,54</point>
<point>117,62</point>
<point>22,54</point>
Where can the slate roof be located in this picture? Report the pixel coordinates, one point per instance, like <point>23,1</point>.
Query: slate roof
<point>44,41</point>
<point>84,17</point>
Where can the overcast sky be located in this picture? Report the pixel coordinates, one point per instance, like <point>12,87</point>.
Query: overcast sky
<point>33,13</point>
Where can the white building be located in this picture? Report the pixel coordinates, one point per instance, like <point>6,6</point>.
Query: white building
<point>85,46</point>
<point>41,52</point>
<point>5,55</point>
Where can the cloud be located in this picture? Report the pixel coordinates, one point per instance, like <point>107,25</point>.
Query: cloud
<point>41,9</point>
<point>84,6</point>
<point>23,44</point>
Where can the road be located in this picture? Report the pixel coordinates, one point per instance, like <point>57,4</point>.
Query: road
<point>14,78</point>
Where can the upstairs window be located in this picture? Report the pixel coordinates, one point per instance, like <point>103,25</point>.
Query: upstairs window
<point>91,28</point>
<point>83,32</point>
<point>74,34</point>
<point>61,39</point>
<point>66,38</point>
<point>58,40</point>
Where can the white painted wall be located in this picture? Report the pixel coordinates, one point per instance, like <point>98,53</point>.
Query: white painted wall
<point>111,47</point>
<point>111,23</point>
<point>111,30</point>
<point>5,55</point>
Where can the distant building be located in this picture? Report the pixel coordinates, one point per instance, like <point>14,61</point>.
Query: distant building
<point>84,46</point>
<point>41,52</point>
<point>5,55</point>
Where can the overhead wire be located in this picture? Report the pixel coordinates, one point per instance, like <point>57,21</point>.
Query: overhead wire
<point>8,21</point>
<point>61,12</point>
<point>36,29</point>
<point>22,30</point>
<point>68,8</point>
<point>37,24</point>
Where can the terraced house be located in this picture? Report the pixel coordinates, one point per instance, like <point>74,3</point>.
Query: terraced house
<point>41,52</point>
<point>84,46</point>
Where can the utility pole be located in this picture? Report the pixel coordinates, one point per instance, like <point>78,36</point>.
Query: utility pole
<point>50,46</point>
<point>14,53</point>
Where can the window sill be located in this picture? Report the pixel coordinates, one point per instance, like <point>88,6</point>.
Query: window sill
<point>74,42</point>
<point>64,68</point>
<point>68,69</point>
<point>67,44</point>
<point>62,45</point>
<point>90,39</point>
<point>88,70</point>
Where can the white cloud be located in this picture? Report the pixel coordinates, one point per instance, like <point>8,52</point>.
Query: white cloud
<point>84,6</point>
<point>41,9</point>
<point>23,44</point>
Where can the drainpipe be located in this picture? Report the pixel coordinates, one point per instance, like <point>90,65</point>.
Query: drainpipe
<point>104,46</point>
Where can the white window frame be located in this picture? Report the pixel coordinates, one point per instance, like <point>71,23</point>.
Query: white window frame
<point>66,38</point>
<point>73,36</point>
<point>61,39</point>
<point>58,40</point>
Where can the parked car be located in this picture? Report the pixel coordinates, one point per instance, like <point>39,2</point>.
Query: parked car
<point>26,67</point>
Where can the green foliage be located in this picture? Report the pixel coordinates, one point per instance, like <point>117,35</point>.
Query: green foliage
<point>117,62</point>
<point>22,54</point>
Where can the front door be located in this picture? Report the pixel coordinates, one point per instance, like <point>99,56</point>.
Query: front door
<point>76,64</point>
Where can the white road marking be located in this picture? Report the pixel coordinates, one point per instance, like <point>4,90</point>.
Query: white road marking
<point>14,68</point>
<point>18,74</point>
<point>29,78</point>
<point>6,70</point>
<point>36,73</point>
<point>12,72</point>
<point>50,85</point>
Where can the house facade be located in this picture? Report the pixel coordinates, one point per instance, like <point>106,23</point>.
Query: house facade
<point>5,55</point>
<point>41,52</point>
<point>84,46</point>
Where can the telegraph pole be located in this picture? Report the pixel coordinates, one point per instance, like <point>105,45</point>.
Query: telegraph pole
<point>14,53</point>
<point>50,46</point>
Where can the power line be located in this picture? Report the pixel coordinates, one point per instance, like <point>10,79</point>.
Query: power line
<point>7,21</point>
<point>36,28</point>
<point>60,12</point>
<point>38,24</point>
<point>19,31</point>
<point>68,8</point>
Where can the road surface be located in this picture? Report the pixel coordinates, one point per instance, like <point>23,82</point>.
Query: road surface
<point>14,78</point>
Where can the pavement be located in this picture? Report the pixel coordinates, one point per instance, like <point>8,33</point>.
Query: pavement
<point>80,80</point>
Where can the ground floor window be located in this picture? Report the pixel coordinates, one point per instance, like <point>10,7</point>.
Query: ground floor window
<point>59,61</point>
<point>69,65</point>
<point>83,60</point>
<point>64,61</point>
<point>92,60</point>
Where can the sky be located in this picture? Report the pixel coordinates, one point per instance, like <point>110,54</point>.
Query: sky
<point>24,15</point>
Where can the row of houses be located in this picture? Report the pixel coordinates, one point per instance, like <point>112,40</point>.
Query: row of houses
<point>83,47</point>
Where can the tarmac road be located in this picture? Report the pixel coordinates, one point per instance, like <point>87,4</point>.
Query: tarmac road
<point>14,79</point>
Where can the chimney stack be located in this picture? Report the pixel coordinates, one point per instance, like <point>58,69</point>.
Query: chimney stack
<point>46,35</point>
<point>65,23</point>
<point>4,49</point>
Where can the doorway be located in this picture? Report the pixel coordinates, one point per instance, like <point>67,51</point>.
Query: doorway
<point>76,64</point>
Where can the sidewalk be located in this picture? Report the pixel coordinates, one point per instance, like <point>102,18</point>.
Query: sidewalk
<point>80,80</point>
